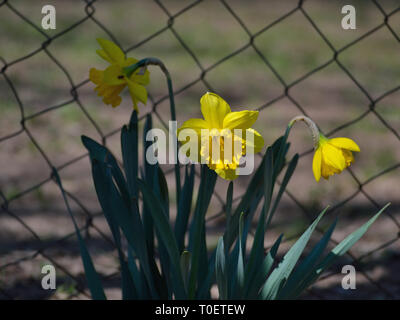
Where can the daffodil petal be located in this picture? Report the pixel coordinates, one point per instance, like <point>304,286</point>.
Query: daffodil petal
<point>317,162</point>
<point>240,120</point>
<point>258,142</point>
<point>96,76</point>
<point>327,170</point>
<point>195,124</point>
<point>111,52</point>
<point>113,75</point>
<point>128,62</point>
<point>142,79</point>
<point>214,109</point>
<point>110,94</point>
<point>137,91</point>
<point>104,55</point>
<point>348,156</point>
<point>333,156</point>
<point>344,143</point>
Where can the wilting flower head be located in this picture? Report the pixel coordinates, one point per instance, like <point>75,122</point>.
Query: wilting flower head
<point>220,126</point>
<point>333,156</point>
<point>111,81</point>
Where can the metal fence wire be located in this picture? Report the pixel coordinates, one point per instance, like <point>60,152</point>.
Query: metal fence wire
<point>45,247</point>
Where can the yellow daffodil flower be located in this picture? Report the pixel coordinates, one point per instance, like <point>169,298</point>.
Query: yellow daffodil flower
<point>333,156</point>
<point>222,125</point>
<point>111,81</point>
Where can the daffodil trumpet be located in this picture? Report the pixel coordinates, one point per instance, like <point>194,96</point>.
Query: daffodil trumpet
<point>331,156</point>
<point>222,137</point>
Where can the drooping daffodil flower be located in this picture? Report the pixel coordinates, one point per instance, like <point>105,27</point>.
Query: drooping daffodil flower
<point>333,156</point>
<point>111,81</point>
<point>220,126</point>
<point>330,155</point>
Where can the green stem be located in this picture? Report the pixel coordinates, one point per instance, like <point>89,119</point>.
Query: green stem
<point>311,125</point>
<point>157,62</point>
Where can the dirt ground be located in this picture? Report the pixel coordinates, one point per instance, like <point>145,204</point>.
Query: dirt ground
<point>35,228</point>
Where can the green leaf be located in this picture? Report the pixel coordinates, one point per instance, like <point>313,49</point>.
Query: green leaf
<point>228,205</point>
<point>103,155</point>
<point>160,193</point>
<point>93,279</point>
<point>139,280</point>
<point>279,148</point>
<point>339,251</point>
<point>257,250</point>
<point>268,181</point>
<point>351,239</point>
<point>261,273</point>
<point>154,61</point>
<point>288,174</point>
<point>129,147</point>
<point>240,263</point>
<point>163,186</point>
<point>220,270</point>
<point>197,242</point>
<point>162,226</point>
<point>185,267</point>
<point>306,266</point>
<point>128,289</point>
<point>184,206</point>
<point>155,180</point>
<point>130,223</point>
<point>281,273</point>
<point>232,266</point>
<point>205,286</point>
<point>253,189</point>
<point>148,175</point>
<point>128,286</point>
<point>114,206</point>
<point>248,218</point>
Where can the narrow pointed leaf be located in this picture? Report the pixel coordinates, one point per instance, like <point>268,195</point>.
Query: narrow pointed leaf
<point>129,147</point>
<point>240,263</point>
<point>184,206</point>
<point>93,278</point>
<point>288,174</point>
<point>339,251</point>
<point>260,276</point>
<point>221,271</point>
<point>299,275</point>
<point>115,205</point>
<point>257,250</point>
<point>197,242</point>
<point>228,204</point>
<point>162,225</point>
<point>281,273</point>
<point>185,267</point>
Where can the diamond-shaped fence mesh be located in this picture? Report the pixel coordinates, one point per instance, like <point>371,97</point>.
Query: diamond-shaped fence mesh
<point>285,58</point>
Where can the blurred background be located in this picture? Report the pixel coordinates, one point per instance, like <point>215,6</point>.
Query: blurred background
<point>283,58</point>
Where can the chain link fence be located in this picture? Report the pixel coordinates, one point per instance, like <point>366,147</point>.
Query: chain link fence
<point>45,249</point>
